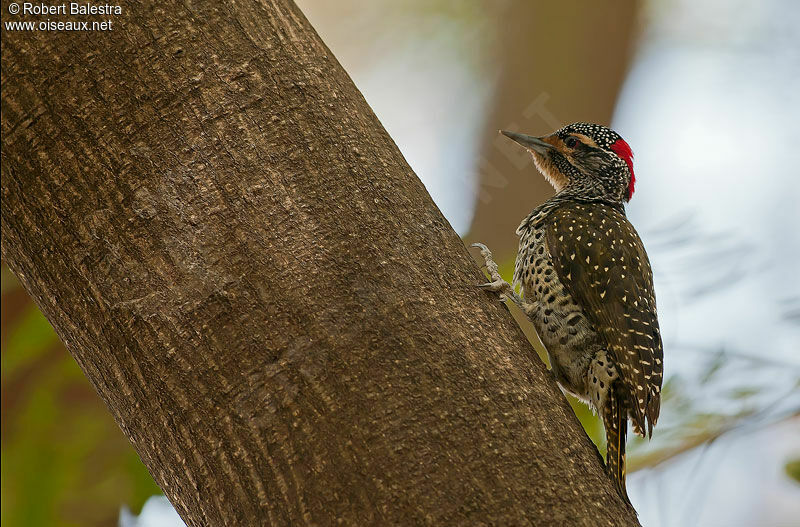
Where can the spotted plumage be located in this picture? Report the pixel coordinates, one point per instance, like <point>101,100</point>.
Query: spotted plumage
<point>587,285</point>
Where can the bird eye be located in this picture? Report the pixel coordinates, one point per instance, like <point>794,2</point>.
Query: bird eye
<point>571,142</point>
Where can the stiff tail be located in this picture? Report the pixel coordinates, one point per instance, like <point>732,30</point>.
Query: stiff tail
<point>615,420</point>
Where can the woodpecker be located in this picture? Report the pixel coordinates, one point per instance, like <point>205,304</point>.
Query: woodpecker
<point>586,283</point>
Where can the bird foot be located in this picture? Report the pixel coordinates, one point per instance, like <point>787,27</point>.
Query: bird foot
<point>497,285</point>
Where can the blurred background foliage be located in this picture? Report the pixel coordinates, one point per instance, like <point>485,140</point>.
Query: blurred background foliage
<point>708,94</point>
<point>64,460</point>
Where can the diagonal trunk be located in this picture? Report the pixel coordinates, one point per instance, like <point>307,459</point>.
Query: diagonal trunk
<point>262,291</point>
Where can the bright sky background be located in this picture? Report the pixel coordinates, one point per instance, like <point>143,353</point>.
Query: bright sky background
<point>711,106</point>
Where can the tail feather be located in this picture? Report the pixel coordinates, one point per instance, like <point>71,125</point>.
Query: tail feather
<point>615,420</point>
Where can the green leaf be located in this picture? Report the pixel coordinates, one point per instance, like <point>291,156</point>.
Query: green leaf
<point>27,341</point>
<point>793,469</point>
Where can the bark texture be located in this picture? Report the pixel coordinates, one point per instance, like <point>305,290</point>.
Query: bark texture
<point>261,290</point>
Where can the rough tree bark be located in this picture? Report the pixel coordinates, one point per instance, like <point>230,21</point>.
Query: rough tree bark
<point>261,290</point>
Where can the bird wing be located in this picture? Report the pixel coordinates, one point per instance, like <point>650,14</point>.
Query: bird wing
<point>601,261</point>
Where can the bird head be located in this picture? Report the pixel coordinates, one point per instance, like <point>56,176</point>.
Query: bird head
<point>584,159</point>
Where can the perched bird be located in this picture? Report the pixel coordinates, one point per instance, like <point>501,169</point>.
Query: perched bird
<point>586,282</point>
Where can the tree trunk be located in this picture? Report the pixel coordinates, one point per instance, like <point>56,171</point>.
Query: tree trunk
<point>261,290</point>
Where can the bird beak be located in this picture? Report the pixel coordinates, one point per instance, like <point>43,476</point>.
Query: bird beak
<point>528,141</point>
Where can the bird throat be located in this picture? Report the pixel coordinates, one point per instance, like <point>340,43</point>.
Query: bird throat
<point>550,171</point>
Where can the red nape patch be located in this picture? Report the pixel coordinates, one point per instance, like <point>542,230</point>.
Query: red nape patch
<point>623,150</point>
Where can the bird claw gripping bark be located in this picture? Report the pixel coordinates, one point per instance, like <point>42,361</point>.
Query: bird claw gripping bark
<point>498,285</point>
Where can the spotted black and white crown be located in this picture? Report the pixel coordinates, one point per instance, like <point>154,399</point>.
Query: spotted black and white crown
<point>604,137</point>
